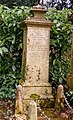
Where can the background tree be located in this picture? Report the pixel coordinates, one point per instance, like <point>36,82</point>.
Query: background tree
<point>11,3</point>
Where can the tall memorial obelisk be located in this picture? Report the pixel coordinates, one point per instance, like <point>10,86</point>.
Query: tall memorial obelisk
<point>35,58</point>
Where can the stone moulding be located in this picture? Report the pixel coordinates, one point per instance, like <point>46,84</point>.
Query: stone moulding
<point>36,85</point>
<point>41,90</point>
<point>38,17</point>
<point>38,23</point>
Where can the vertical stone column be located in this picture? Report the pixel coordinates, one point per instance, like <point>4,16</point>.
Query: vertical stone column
<point>70,74</point>
<point>35,58</point>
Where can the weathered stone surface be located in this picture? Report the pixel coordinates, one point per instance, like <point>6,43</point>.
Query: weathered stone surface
<point>32,114</point>
<point>19,105</point>
<point>59,104</point>
<point>35,61</point>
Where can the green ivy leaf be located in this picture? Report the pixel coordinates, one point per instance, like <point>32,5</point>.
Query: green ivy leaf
<point>1,52</point>
<point>13,68</point>
<point>4,49</point>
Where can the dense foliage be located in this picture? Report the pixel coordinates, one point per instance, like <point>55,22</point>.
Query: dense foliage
<point>11,3</point>
<point>60,49</point>
<point>60,45</point>
<point>11,47</point>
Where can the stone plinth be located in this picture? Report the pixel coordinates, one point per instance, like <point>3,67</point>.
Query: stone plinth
<point>35,58</point>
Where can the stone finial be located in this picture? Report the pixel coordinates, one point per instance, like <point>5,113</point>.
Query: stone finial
<point>32,110</point>
<point>19,105</point>
<point>60,92</point>
<point>19,88</point>
<point>60,98</point>
<point>39,11</point>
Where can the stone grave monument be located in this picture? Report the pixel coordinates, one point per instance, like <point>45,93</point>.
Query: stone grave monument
<point>35,58</point>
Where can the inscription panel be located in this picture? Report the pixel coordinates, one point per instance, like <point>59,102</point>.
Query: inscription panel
<point>37,58</point>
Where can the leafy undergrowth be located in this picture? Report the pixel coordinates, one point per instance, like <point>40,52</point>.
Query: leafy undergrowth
<point>67,115</point>
<point>7,108</point>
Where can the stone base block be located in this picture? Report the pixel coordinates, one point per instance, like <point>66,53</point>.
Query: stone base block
<point>41,92</point>
<point>70,80</point>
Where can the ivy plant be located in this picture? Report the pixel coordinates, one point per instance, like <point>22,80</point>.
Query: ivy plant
<point>60,45</point>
